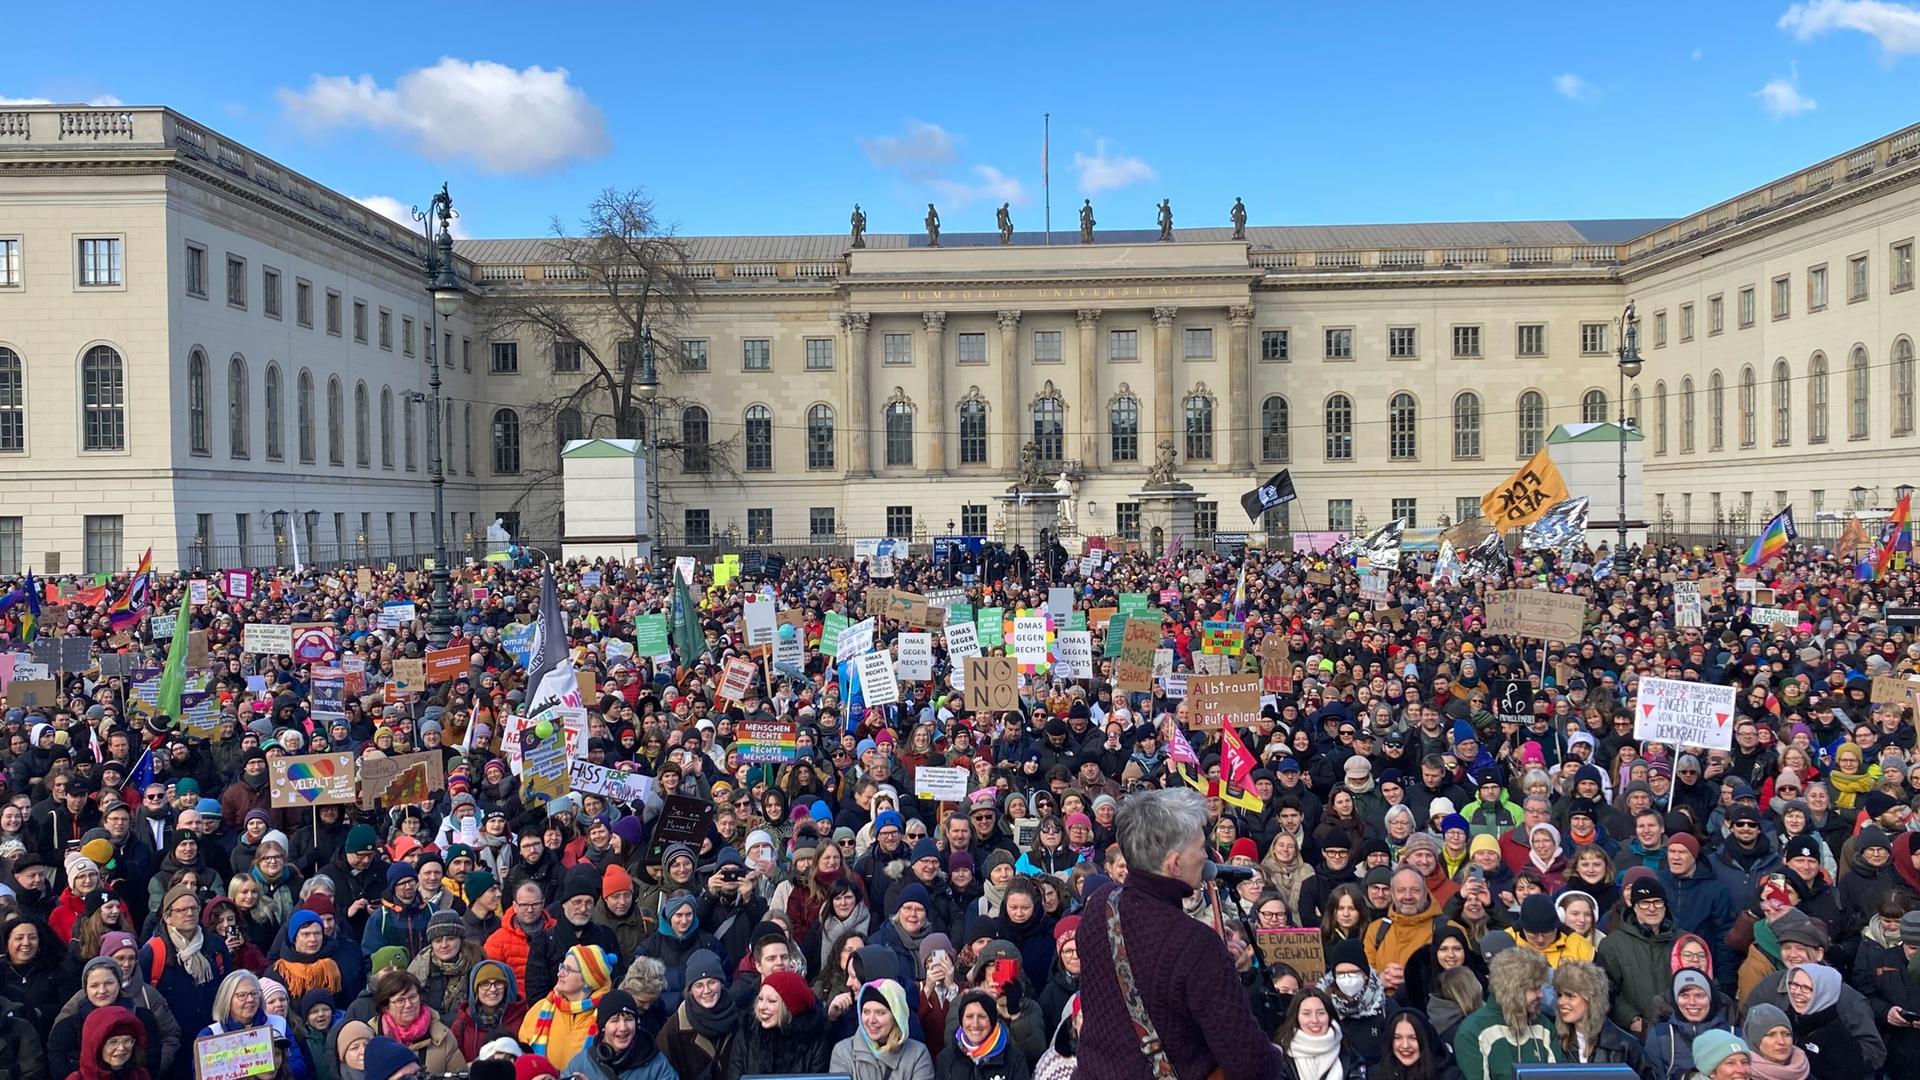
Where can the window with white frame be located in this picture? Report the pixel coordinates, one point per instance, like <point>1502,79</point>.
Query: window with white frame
<point>897,349</point>
<point>756,354</point>
<point>1339,343</point>
<point>1196,343</point>
<point>1273,345</point>
<point>1406,510</point>
<point>1403,343</point>
<point>1125,345</point>
<point>9,262</point>
<point>972,347</point>
<point>1046,347</point>
<point>102,262</point>
<point>1466,341</point>
<point>1340,515</point>
<point>1593,339</point>
<point>819,354</point>
<point>1530,339</point>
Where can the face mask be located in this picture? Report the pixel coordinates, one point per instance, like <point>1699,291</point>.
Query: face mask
<point>1350,984</point>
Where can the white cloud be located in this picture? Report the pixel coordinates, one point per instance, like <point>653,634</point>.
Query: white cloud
<point>1103,171</point>
<point>990,184</point>
<point>506,121</point>
<point>923,147</point>
<point>1895,26</point>
<point>1782,97</point>
<point>1572,87</point>
<point>393,209</point>
<point>104,101</point>
<point>1698,54</point>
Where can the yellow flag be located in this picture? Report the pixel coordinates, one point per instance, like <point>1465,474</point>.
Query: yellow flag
<point>1524,497</point>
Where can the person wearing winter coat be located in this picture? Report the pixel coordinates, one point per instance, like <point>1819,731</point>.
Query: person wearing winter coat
<point>1062,1055</point>
<point>240,1004</point>
<point>443,966</point>
<point>1694,1008</point>
<point>982,1047</point>
<point>1312,1046</point>
<point>112,1047</point>
<point>402,1014</point>
<point>1636,955</point>
<point>560,1023</point>
<point>1063,984</point>
<point>120,947</point>
<point>1359,1004</point>
<point>492,1009</point>
<point>1851,1006</point>
<point>1581,1026</point>
<point>22,1053</point>
<point>36,971</point>
<point>697,1033</point>
<point>102,985</point>
<point>399,918</point>
<point>617,911</point>
<point>783,1031</point>
<point>676,938</point>
<point>1833,1053</point>
<point>1769,1034</point>
<point>1508,1030</point>
<point>1700,902</point>
<point>1415,1051</point>
<point>881,1049</point>
<point>625,1048</point>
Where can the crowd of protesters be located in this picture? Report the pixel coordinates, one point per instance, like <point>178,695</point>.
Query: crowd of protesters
<point>1488,889</point>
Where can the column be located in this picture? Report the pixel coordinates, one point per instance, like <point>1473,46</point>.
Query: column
<point>1240,432</point>
<point>1088,320</point>
<point>858,419</point>
<point>1010,413</point>
<point>934,340</point>
<point>1163,403</point>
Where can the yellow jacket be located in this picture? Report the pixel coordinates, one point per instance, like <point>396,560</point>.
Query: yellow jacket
<point>1566,947</point>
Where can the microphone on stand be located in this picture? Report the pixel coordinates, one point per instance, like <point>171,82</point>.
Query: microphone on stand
<point>1231,875</point>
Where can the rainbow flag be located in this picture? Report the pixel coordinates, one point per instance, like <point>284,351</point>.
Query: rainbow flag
<point>27,593</point>
<point>1772,540</point>
<point>1892,536</point>
<point>132,604</point>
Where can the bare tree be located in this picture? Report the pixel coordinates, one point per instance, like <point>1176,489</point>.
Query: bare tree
<point>619,278</point>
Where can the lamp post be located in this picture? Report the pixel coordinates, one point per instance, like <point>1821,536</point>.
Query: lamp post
<point>649,383</point>
<point>1629,365</point>
<point>443,283</point>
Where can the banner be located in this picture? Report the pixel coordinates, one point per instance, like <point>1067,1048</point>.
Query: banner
<point>1536,613</point>
<point>1684,713</point>
<point>1524,496</point>
<point>311,780</point>
<point>587,778</point>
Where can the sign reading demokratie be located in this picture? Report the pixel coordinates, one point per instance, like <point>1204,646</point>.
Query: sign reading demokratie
<point>1684,713</point>
<point>1536,613</point>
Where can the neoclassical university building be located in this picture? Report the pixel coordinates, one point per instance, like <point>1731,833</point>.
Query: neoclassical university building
<point>203,351</point>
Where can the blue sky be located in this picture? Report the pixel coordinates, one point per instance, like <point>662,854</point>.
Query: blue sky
<point>776,118</point>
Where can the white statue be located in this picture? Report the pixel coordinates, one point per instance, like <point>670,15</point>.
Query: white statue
<point>497,533</point>
<point>1065,487</point>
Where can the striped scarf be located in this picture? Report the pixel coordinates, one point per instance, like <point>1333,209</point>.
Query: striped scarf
<point>989,1048</point>
<point>543,1020</point>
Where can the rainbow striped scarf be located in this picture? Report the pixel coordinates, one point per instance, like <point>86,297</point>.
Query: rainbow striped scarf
<point>543,1020</point>
<point>990,1047</point>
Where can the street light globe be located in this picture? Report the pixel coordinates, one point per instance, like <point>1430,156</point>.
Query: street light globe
<point>1630,368</point>
<point>446,301</point>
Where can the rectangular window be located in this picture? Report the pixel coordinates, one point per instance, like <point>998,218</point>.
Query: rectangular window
<point>899,521</point>
<point>973,348</point>
<point>1782,296</point>
<point>102,264</point>
<point>1340,515</point>
<point>897,349</point>
<point>236,282</point>
<point>1593,339</point>
<point>303,303</point>
<point>466,354</point>
<point>1465,507</point>
<point>698,527</point>
<point>1406,510</point>
<point>1126,520</point>
<point>820,524</point>
<point>1530,339</point>
<point>1716,315</point>
<point>759,525</point>
<point>12,546</point>
<point>1659,329</point>
<point>386,329</point>
<point>1339,344</point>
<point>566,356</point>
<point>196,271</point>
<point>693,354</point>
<point>406,335</point>
<point>1273,345</point>
<point>103,534</point>
<point>270,292</point>
<point>9,263</point>
<point>1686,322</point>
<point>505,358</point>
<point>360,321</point>
<point>1206,520</point>
<point>1900,266</point>
<point>756,354</point>
<point>819,354</point>
<point>1816,288</point>
<point>1856,278</point>
<point>973,519</point>
<point>1466,341</point>
<point>333,313</point>
<point>1745,311</point>
<point>1046,346</point>
<point>1403,343</point>
<point>1196,343</point>
<point>1125,344</point>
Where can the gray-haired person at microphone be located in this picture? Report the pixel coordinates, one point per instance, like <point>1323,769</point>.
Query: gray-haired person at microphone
<point>1158,989</point>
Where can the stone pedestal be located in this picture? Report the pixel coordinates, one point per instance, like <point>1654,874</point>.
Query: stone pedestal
<point>1028,514</point>
<point>1165,513</point>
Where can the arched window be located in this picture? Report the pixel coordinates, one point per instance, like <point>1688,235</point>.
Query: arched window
<point>407,444</point>
<point>336,423</point>
<point>899,421</point>
<point>1817,397</point>
<point>1339,425</point>
<point>759,437</point>
<point>1782,403</point>
<point>1532,422</point>
<point>303,409</point>
<point>103,399</point>
<point>1276,423</point>
<point>1593,407</point>
<point>362,427</point>
<point>506,442</point>
<point>1635,421</point>
<point>1748,392</point>
<point>973,432</point>
<point>1199,411</point>
<point>1716,412</point>
<point>275,405</point>
<point>567,426</point>
<point>1050,426</point>
<point>13,403</point>
<point>695,434</point>
<point>1466,425</point>
<point>466,439</point>
<point>1403,428</point>
<point>1903,386</point>
<point>820,437</point>
<point>239,442</point>
<point>386,427</point>
<point>1860,394</point>
<point>1686,415</point>
<point>198,437</point>
<point>1659,415</point>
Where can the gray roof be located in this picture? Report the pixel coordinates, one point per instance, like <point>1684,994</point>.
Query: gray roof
<point>1261,237</point>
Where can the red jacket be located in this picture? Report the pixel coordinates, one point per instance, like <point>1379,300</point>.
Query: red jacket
<point>67,913</point>
<point>509,945</point>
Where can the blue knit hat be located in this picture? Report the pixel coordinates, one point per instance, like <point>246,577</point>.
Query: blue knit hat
<point>1454,821</point>
<point>1462,731</point>
<point>385,1058</point>
<point>399,872</point>
<point>301,918</point>
<point>888,817</point>
<point>914,893</point>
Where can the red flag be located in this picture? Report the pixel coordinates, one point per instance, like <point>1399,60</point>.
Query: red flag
<point>1236,761</point>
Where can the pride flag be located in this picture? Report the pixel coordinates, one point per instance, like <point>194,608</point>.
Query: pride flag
<point>1891,540</point>
<point>29,594</point>
<point>1772,540</point>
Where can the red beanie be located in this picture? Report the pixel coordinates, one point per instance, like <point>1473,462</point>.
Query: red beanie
<point>793,990</point>
<point>532,1067</point>
<point>1244,846</point>
<point>1064,929</point>
<point>615,880</point>
<point>319,903</point>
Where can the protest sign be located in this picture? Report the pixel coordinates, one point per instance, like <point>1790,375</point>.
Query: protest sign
<point>1222,637</point>
<point>237,584</point>
<point>1373,586</point>
<point>915,661</point>
<point>197,649</point>
<point>790,657</point>
<point>736,679</point>
<point>328,693</point>
<point>1116,633</point>
<point>914,609</point>
<point>315,643</point>
<point>992,684</point>
<point>311,780</point>
<point>1536,613</point>
<point>446,665</point>
<point>1892,691</point>
<point>1216,699</point>
<point>763,741</point>
<point>650,636</point>
<point>963,640</point>
<point>1301,950</point>
<point>1773,616</point>
<point>1687,609</point>
<point>1134,670</point>
<point>197,592</point>
<point>31,693</point>
<point>855,640</point>
<point>544,774</point>
<point>878,684</point>
<point>399,779</point>
<point>1173,685</point>
<point>1684,713</point>
<point>409,676</point>
<point>760,619</point>
<point>1059,602</point>
<point>587,778</point>
<point>831,627</point>
<point>682,820</point>
<point>940,784</point>
<point>991,623</point>
<point>1030,642</point>
<point>161,626</point>
<point>1073,654</point>
<point>1512,700</point>
<point>234,1055</point>
<point>267,639</point>
<point>395,615</point>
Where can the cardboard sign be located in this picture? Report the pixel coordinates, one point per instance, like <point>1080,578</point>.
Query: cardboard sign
<point>736,680</point>
<point>682,820</point>
<point>760,619</point>
<point>913,609</point>
<point>768,741</point>
<point>1216,699</point>
<point>1536,613</point>
<point>267,639</point>
<point>311,780</point>
<point>446,665</point>
<point>31,693</point>
<point>992,684</point>
<point>587,778</point>
<point>1133,670</point>
<point>1301,950</point>
<point>940,785</point>
<point>399,779</point>
<point>544,775</point>
<point>235,1055</point>
<point>1685,713</point>
<point>1319,577</point>
<point>197,649</point>
<point>1073,654</point>
<point>1890,691</point>
<point>409,676</point>
<point>915,660</point>
<point>363,580</point>
<point>878,684</point>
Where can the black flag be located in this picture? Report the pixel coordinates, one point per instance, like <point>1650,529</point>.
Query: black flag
<point>1273,493</point>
